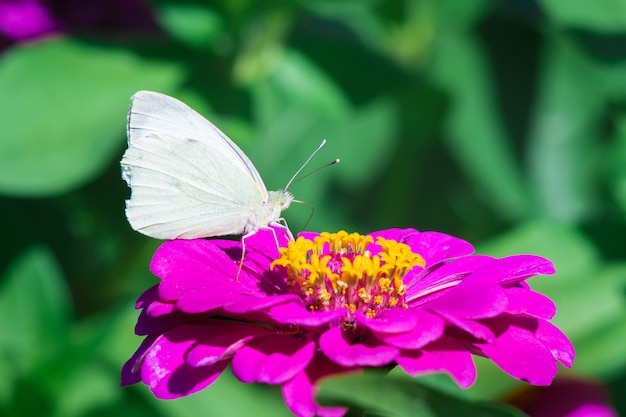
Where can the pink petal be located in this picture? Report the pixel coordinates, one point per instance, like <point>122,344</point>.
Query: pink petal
<point>531,303</point>
<point>512,269</point>
<point>148,296</point>
<point>131,370</point>
<point>557,342</point>
<point>518,352</point>
<point>156,316</point>
<point>295,313</point>
<point>299,392</point>
<point>27,19</point>
<point>437,247</point>
<point>250,303</point>
<point>207,300</point>
<point>164,369</point>
<point>428,285</point>
<point>430,328</point>
<point>272,359</point>
<point>474,328</point>
<point>390,321</point>
<point>220,340</point>
<point>471,300</point>
<point>444,355</point>
<point>187,265</point>
<point>399,235</point>
<point>434,247</point>
<point>369,353</point>
<point>567,398</point>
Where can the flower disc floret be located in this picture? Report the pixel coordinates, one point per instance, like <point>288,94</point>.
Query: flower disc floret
<point>348,270</point>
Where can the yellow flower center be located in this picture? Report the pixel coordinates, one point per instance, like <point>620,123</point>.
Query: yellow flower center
<point>348,270</point>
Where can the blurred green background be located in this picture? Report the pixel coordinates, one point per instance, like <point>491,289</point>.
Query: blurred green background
<point>500,122</point>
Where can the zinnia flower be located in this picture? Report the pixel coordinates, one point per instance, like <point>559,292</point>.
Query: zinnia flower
<point>566,397</point>
<point>31,20</point>
<point>22,20</point>
<point>330,303</point>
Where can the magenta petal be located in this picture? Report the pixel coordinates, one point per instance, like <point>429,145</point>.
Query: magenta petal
<point>567,398</point>
<point>527,302</point>
<point>513,268</point>
<point>390,321</point>
<point>156,316</point>
<point>445,355</point>
<point>247,304</point>
<point>555,340</point>
<point>147,297</point>
<point>272,359</point>
<point>229,300</point>
<point>220,340</point>
<point>436,247</point>
<point>399,235</point>
<point>187,265</point>
<point>130,370</point>
<point>471,301</point>
<point>296,314</point>
<point>478,330</point>
<point>158,309</point>
<point>164,369</point>
<point>430,328</point>
<point>428,285</point>
<point>204,301</point>
<point>336,348</point>
<point>299,392</point>
<point>519,353</point>
<point>159,317</point>
<point>27,19</point>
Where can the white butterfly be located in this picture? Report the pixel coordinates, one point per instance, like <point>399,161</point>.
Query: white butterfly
<point>188,179</point>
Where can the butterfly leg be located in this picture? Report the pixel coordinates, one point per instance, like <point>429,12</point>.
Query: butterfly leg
<point>280,223</point>
<point>243,252</point>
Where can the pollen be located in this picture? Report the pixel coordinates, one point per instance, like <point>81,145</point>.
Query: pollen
<point>348,270</point>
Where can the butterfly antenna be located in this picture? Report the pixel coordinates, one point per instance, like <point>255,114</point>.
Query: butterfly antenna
<point>291,181</point>
<point>310,205</point>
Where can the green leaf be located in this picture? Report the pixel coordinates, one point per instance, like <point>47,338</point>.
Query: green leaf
<point>363,139</point>
<point>593,315</point>
<point>396,396</point>
<point>572,253</point>
<point>88,387</point>
<point>616,164</point>
<point>34,310</point>
<point>297,108</point>
<point>565,126</point>
<point>599,15</point>
<point>296,83</point>
<point>460,16</point>
<point>195,25</point>
<point>63,112</point>
<point>360,16</point>
<point>475,133</point>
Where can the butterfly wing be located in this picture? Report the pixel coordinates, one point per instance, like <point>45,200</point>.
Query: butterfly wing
<point>188,180</point>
